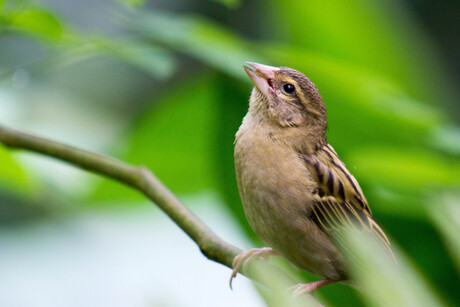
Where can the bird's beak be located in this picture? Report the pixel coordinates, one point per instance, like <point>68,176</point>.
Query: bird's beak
<point>262,76</point>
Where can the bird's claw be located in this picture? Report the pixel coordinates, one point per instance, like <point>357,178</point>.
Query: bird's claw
<point>310,287</point>
<point>244,258</point>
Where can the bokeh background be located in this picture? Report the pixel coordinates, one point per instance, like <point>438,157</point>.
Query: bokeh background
<point>160,83</point>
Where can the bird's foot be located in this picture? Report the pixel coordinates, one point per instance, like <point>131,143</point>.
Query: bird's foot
<point>300,289</point>
<point>244,258</point>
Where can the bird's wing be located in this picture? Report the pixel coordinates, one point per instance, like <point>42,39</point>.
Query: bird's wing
<point>339,200</point>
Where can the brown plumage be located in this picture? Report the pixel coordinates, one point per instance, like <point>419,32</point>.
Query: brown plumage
<point>295,190</point>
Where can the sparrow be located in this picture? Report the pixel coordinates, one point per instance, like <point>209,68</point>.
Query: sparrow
<point>296,192</point>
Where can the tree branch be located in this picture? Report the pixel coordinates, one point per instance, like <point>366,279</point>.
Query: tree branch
<point>140,178</point>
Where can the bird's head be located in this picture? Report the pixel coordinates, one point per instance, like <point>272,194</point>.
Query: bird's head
<point>286,97</point>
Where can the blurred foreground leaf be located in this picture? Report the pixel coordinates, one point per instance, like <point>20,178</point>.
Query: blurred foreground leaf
<point>446,217</point>
<point>383,282</point>
<point>277,289</point>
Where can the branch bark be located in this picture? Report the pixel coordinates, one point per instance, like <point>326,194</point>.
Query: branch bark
<point>143,180</point>
<point>139,178</point>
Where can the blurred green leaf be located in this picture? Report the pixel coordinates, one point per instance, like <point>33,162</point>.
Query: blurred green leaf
<point>277,288</point>
<point>383,282</point>
<point>447,138</point>
<point>37,21</point>
<point>404,168</point>
<point>173,139</point>
<point>232,4</point>
<point>198,37</point>
<point>446,217</point>
<point>148,57</point>
<point>133,2</point>
<point>393,202</point>
<point>11,174</point>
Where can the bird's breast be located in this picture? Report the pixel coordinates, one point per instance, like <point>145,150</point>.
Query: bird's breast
<point>275,187</point>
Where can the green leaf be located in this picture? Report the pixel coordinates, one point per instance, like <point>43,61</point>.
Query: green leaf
<point>446,218</point>
<point>200,38</point>
<point>277,286</point>
<point>383,282</point>
<point>133,2</point>
<point>37,21</point>
<point>12,176</point>
<point>173,139</point>
<point>447,138</point>
<point>231,4</point>
<point>148,57</point>
<point>404,168</point>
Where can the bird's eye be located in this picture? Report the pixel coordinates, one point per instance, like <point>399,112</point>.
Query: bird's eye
<point>289,88</point>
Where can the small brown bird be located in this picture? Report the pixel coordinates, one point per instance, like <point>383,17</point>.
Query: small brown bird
<point>295,189</point>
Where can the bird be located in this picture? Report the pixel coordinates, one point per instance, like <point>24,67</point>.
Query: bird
<point>296,192</point>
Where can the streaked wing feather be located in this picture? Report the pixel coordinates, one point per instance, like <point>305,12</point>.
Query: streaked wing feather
<point>340,201</point>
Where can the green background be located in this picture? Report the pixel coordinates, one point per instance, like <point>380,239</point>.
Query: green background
<point>161,84</point>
